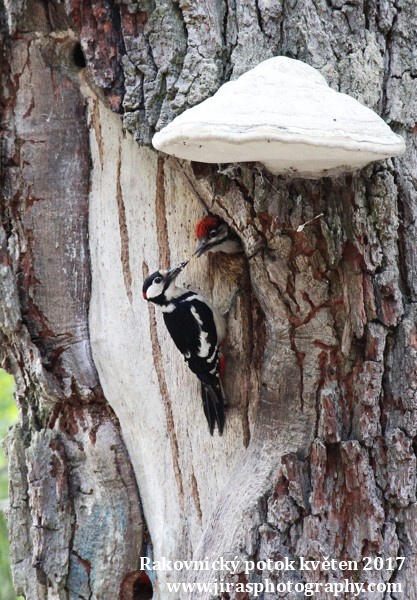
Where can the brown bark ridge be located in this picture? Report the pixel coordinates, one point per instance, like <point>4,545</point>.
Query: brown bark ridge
<point>318,459</point>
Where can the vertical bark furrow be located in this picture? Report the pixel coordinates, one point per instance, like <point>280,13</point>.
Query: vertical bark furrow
<point>124,234</point>
<point>165,395</point>
<point>161,216</point>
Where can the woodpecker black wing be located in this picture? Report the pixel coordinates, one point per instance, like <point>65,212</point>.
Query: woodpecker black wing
<point>193,330</point>
<point>191,325</point>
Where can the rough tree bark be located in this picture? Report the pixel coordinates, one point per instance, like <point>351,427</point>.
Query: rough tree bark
<point>318,459</point>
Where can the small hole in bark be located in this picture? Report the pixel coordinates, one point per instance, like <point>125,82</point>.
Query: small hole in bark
<point>78,56</point>
<point>143,589</point>
<point>136,586</point>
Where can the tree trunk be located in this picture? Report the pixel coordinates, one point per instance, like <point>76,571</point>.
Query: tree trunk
<point>318,457</point>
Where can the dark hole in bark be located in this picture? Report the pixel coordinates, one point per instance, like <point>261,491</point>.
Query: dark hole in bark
<point>78,56</point>
<point>136,586</point>
<point>143,590</point>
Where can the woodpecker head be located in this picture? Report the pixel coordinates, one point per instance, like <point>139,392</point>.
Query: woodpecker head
<point>159,287</point>
<point>213,234</point>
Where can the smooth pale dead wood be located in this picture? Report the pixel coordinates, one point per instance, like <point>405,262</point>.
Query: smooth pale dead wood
<point>141,213</point>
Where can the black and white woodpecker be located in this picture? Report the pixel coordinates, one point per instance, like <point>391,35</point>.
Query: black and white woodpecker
<point>197,329</point>
<point>214,235</point>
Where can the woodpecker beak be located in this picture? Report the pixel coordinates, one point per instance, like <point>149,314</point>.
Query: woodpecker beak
<point>175,271</point>
<point>201,248</point>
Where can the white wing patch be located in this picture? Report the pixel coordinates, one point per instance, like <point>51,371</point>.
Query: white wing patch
<point>205,347</point>
<point>213,356</point>
<point>191,298</point>
<point>219,320</point>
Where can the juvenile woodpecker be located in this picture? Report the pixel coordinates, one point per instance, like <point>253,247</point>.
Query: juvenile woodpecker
<point>197,330</point>
<point>214,235</point>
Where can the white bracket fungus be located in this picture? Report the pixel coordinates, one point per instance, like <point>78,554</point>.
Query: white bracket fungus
<point>283,114</point>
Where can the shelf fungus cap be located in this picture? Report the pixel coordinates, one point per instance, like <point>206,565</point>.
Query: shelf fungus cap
<point>283,114</point>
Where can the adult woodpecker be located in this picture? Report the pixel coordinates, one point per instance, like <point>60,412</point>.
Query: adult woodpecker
<point>197,330</point>
<point>214,235</point>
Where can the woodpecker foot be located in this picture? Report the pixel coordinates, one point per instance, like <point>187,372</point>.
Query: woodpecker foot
<point>232,304</point>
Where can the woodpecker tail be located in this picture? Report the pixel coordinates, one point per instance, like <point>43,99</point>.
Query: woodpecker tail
<point>214,404</point>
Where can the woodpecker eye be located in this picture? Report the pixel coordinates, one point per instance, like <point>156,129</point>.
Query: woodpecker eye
<point>213,233</point>
<point>158,280</point>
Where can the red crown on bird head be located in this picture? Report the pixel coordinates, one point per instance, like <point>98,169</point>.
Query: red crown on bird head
<point>204,225</point>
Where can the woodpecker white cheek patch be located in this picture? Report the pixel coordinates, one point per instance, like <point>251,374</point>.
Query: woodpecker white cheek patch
<point>154,290</point>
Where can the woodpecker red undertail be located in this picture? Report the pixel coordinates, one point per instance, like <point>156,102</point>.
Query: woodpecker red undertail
<point>197,330</point>
<point>214,235</point>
